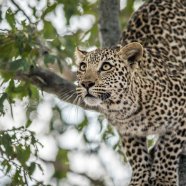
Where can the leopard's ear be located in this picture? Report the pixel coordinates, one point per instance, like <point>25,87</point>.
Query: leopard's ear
<point>132,52</point>
<point>79,55</point>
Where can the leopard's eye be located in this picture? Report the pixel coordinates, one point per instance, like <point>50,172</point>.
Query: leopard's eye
<point>106,66</point>
<point>82,66</point>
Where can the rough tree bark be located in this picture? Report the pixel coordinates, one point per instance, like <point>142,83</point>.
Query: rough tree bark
<point>109,35</point>
<point>109,29</point>
<point>182,168</point>
<point>50,82</point>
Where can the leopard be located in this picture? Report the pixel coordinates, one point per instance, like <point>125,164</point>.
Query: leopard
<point>140,86</point>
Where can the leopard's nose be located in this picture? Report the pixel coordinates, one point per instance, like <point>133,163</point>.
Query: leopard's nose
<point>88,84</point>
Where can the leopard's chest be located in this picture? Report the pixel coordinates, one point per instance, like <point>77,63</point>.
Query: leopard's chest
<point>141,121</point>
<point>139,124</point>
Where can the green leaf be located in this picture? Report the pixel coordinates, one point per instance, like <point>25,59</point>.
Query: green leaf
<point>8,168</point>
<point>8,49</point>
<point>49,9</point>
<point>49,31</point>
<point>150,143</point>
<point>31,168</point>
<point>7,143</point>
<point>22,90</point>
<point>2,99</point>
<point>50,59</point>
<point>17,178</point>
<point>10,18</point>
<point>23,154</point>
<point>28,123</point>
<point>33,92</point>
<point>70,8</point>
<point>19,64</point>
<point>63,164</point>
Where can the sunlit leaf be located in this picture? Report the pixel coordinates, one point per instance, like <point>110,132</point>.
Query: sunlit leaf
<point>49,31</point>
<point>31,168</point>
<point>10,18</point>
<point>2,99</point>
<point>6,141</point>
<point>61,164</point>
<point>49,9</point>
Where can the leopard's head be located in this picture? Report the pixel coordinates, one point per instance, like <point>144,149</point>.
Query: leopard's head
<point>104,74</point>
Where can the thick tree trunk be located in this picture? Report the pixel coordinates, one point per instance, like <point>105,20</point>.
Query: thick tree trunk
<point>109,29</point>
<point>182,168</point>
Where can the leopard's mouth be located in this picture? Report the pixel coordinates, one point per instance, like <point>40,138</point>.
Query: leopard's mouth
<point>89,95</point>
<point>91,100</point>
<point>95,101</point>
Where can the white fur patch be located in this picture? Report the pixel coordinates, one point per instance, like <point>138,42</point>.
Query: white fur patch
<point>91,101</point>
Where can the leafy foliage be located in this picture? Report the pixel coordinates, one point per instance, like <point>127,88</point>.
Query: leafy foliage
<point>17,146</point>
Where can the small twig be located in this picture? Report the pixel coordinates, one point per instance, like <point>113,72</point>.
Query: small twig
<point>19,8</point>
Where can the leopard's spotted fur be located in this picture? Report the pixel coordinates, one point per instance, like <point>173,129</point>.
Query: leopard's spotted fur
<point>141,88</point>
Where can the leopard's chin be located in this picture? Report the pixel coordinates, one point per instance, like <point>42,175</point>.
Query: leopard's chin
<point>92,100</point>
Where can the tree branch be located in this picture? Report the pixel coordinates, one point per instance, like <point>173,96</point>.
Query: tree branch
<point>50,82</point>
<point>19,8</point>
